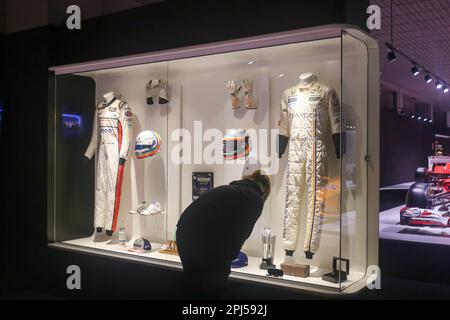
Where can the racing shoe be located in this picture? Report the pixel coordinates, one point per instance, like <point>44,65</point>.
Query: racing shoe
<point>142,207</point>
<point>152,209</point>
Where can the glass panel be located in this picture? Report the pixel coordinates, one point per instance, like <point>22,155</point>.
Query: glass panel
<point>208,104</point>
<point>73,204</point>
<point>305,203</point>
<point>181,111</point>
<point>354,167</point>
<point>210,112</point>
<point>109,117</point>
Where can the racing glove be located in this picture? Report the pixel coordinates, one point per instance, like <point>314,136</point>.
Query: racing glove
<point>249,101</point>
<point>152,91</point>
<point>233,89</point>
<point>340,144</point>
<point>163,89</point>
<point>282,145</point>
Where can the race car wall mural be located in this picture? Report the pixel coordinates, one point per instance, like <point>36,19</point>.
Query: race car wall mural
<point>428,198</point>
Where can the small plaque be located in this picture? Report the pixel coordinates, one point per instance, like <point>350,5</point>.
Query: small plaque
<point>202,182</point>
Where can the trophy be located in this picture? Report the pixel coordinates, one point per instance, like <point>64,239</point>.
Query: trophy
<point>268,246</point>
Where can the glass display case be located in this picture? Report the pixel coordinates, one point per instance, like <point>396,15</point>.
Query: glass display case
<point>135,140</point>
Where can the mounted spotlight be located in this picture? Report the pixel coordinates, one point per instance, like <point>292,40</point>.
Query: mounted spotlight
<point>415,71</point>
<point>391,56</point>
<point>445,88</point>
<point>428,78</point>
<point>439,84</point>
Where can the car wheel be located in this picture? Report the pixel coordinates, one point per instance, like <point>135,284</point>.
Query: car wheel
<point>404,221</point>
<point>420,175</point>
<point>417,196</point>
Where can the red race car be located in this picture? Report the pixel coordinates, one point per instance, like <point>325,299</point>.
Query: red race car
<point>429,196</point>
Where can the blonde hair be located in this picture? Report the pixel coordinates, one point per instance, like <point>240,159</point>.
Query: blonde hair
<point>262,181</point>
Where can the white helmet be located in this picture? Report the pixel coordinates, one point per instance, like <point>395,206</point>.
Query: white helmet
<point>148,144</point>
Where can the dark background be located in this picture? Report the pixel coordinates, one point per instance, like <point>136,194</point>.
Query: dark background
<point>406,145</point>
<point>26,261</point>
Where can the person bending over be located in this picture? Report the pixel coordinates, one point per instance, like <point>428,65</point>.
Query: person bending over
<point>213,229</point>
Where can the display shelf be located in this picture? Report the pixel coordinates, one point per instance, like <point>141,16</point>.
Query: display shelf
<point>314,279</point>
<point>251,270</point>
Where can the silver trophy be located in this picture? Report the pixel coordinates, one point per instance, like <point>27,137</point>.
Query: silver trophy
<point>268,247</point>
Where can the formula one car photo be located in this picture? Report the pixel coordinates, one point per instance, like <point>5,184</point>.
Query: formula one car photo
<point>428,198</point>
<point>425,217</point>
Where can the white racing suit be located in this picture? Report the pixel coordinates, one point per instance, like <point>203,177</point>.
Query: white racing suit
<point>307,113</point>
<point>111,135</point>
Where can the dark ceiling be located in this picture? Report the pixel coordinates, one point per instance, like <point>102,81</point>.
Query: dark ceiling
<point>421,31</point>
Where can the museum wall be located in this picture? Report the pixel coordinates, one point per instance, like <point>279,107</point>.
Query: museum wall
<point>175,23</point>
<point>2,103</point>
<point>24,156</point>
<point>405,145</point>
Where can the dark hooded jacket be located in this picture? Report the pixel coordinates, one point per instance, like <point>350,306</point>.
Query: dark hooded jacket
<point>215,226</point>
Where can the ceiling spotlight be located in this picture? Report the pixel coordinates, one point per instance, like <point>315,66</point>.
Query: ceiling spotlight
<point>445,88</point>
<point>428,78</point>
<point>415,71</point>
<point>391,56</point>
<point>425,119</point>
<point>413,116</point>
<point>438,84</point>
<point>281,75</point>
<point>419,118</point>
<point>251,62</point>
<point>431,121</point>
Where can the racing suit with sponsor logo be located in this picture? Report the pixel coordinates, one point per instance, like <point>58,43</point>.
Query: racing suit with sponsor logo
<point>307,115</point>
<point>111,137</point>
